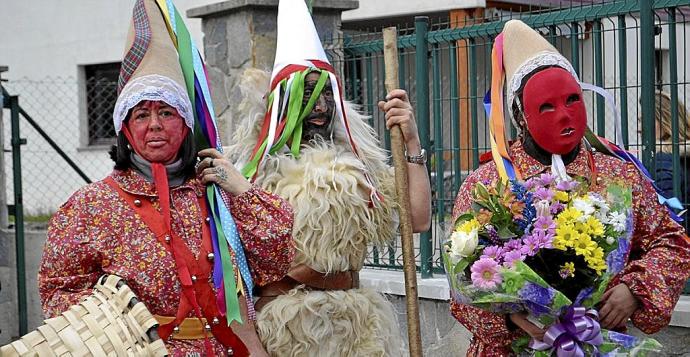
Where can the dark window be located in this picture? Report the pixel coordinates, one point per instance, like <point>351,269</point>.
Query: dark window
<point>101,94</point>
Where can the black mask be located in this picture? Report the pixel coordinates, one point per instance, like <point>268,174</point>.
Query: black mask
<point>318,122</point>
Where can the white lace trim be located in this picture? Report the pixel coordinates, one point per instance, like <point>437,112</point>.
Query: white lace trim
<point>539,60</point>
<point>153,87</point>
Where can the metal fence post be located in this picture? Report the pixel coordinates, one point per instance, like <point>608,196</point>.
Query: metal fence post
<point>17,142</point>
<point>623,74</point>
<point>647,88</point>
<point>3,198</point>
<point>599,75</point>
<point>673,79</point>
<point>421,24</point>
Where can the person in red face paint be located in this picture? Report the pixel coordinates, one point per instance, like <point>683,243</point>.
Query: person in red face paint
<point>148,222</point>
<point>545,102</point>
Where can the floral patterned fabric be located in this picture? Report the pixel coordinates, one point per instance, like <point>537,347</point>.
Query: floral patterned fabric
<point>657,268</point>
<point>96,232</point>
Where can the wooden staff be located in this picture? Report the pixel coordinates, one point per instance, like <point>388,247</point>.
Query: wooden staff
<point>390,57</point>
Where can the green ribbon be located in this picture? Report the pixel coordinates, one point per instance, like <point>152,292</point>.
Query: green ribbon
<point>232,303</point>
<point>297,111</point>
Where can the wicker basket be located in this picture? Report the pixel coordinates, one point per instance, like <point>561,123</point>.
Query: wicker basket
<point>110,322</point>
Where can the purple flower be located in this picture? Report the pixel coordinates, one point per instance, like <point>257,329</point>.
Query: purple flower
<point>530,245</point>
<point>493,252</point>
<point>556,208</point>
<point>546,179</point>
<point>544,238</point>
<point>543,194</point>
<point>511,257</point>
<point>493,233</point>
<point>485,274</point>
<point>513,244</point>
<point>545,223</point>
<point>566,185</point>
<point>531,183</point>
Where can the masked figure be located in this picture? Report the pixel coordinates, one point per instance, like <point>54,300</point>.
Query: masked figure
<point>544,98</point>
<point>313,149</point>
<point>157,220</point>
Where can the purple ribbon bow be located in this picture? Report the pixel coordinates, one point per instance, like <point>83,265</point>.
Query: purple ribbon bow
<point>577,326</point>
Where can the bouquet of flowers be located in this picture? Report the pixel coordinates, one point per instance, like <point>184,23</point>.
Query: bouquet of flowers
<point>549,248</point>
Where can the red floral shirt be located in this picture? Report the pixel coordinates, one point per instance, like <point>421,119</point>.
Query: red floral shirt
<point>657,268</point>
<point>96,232</point>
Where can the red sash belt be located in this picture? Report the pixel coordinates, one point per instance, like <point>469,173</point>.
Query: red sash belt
<point>193,274</point>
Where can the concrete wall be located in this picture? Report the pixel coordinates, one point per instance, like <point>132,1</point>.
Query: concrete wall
<point>9,324</point>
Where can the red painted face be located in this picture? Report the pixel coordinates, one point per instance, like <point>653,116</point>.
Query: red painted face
<point>157,131</point>
<point>554,110</point>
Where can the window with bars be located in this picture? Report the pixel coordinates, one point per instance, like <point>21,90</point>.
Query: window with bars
<point>101,94</point>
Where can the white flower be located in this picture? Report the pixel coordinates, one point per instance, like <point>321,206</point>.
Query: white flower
<point>618,221</point>
<point>584,206</point>
<point>610,240</point>
<point>543,208</point>
<point>598,201</point>
<point>463,244</point>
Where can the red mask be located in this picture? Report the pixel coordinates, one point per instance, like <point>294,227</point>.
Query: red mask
<point>156,131</point>
<point>554,110</point>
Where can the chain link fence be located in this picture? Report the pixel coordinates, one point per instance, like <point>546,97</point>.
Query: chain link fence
<point>84,134</point>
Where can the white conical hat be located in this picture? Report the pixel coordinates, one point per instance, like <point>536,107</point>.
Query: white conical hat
<point>298,42</point>
<point>525,50</point>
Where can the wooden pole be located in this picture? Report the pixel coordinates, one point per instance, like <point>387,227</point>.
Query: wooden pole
<point>390,57</point>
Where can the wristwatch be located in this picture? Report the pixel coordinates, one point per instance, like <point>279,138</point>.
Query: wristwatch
<point>416,159</point>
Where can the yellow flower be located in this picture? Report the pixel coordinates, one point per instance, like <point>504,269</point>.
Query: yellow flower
<point>565,236</point>
<point>596,260</point>
<point>594,227</point>
<point>468,226</point>
<point>567,270</point>
<point>584,245</point>
<point>568,216</point>
<point>561,196</point>
<point>582,228</point>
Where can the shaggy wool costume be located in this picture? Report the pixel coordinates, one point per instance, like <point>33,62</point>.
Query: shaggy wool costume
<point>334,222</point>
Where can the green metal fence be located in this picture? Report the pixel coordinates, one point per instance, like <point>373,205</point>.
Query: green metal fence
<point>631,48</point>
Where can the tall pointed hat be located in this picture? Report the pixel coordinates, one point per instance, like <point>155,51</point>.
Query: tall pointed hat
<point>161,63</point>
<point>150,68</point>
<point>298,52</point>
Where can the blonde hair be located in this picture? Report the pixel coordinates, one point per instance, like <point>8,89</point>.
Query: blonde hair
<point>663,115</point>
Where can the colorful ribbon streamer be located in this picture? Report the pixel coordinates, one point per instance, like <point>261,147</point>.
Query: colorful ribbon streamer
<point>223,228</point>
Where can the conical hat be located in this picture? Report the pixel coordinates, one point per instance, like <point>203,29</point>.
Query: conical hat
<point>150,68</point>
<point>298,43</point>
<point>525,50</point>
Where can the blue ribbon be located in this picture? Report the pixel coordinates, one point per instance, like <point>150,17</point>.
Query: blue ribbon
<point>233,238</point>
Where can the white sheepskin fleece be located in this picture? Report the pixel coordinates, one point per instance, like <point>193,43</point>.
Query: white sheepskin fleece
<point>333,224</point>
<point>358,322</point>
